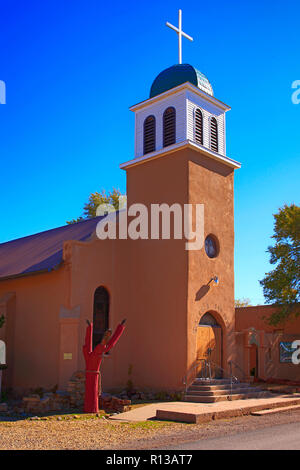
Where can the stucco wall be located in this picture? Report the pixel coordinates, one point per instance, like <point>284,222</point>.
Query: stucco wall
<point>159,273</point>
<point>32,330</point>
<point>211,184</point>
<point>155,284</point>
<point>256,317</point>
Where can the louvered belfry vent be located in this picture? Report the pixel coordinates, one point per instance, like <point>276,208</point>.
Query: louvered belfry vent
<point>214,135</point>
<point>199,127</point>
<point>149,134</point>
<point>169,127</point>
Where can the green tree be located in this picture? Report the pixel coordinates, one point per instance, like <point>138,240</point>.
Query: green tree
<point>95,200</point>
<point>242,302</point>
<point>281,285</point>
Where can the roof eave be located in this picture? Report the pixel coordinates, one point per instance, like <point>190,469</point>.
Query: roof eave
<point>31,273</point>
<point>186,85</point>
<point>174,148</point>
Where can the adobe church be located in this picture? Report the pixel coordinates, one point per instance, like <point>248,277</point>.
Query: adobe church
<point>177,314</point>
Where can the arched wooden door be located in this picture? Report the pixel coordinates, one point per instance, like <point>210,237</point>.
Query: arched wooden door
<point>209,346</point>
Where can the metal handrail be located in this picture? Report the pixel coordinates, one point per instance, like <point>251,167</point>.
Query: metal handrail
<point>228,374</point>
<point>238,367</point>
<point>233,378</point>
<point>208,364</point>
<point>185,379</point>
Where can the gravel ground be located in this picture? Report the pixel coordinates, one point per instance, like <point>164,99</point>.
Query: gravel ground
<point>214,429</point>
<point>99,433</point>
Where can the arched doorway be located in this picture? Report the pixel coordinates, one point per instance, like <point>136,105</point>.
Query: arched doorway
<point>209,346</point>
<point>100,314</point>
<point>253,361</point>
<point>254,344</point>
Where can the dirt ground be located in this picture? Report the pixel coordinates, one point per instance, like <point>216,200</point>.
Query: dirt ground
<point>79,432</point>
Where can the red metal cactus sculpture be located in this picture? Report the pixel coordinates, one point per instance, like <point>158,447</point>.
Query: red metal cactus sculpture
<point>93,359</point>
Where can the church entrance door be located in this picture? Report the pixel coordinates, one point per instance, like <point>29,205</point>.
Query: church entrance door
<point>209,348</point>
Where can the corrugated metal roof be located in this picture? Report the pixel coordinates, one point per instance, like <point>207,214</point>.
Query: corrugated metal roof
<point>41,251</point>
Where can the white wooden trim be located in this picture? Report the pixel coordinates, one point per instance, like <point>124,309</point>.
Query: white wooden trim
<point>194,124</point>
<point>185,86</point>
<point>174,148</point>
<point>209,132</point>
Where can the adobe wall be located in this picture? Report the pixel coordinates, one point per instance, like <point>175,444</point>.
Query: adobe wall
<point>31,330</point>
<point>270,337</point>
<point>212,184</point>
<point>187,176</point>
<point>155,284</point>
<point>153,289</point>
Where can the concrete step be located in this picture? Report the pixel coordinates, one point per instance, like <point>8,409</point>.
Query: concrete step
<point>213,399</point>
<point>227,391</point>
<point>211,388</point>
<point>200,381</point>
<point>280,409</point>
<point>216,398</point>
<point>201,413</point>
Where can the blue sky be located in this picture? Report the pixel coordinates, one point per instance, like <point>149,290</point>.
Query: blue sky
<point>72,69</point>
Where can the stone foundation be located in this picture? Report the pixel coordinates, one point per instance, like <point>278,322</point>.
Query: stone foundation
<point>108,403</point>
<point>71,399</point>
<point>3,407</point>
<point>50,402</point>
<point>45,402</point>
<point>76,388</point>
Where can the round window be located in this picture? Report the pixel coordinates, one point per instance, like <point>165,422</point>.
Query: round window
<point>211,246</point>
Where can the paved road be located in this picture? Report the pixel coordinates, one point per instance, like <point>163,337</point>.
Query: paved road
<point>279,437</point>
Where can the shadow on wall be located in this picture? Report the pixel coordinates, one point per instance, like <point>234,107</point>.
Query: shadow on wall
<point>202,292</point>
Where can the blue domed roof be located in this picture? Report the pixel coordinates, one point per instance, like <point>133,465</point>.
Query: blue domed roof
<point>178,74</point>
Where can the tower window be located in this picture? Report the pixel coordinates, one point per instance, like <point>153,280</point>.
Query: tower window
<point>149,134</point>
<point>211,246</point>
<point>214,135</point>
<point>199,127</point>
<point>169,127</point>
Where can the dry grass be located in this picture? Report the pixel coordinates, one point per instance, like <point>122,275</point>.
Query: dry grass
<point>77,432</point>
<point>89,432</point>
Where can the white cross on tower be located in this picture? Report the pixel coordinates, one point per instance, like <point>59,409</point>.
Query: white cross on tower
<point>180,34</point>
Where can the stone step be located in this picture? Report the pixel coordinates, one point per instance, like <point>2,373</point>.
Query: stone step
<point>217,387</point>
<point>199,413</point>
<point>216,398</point>
<point>213,399</point>
<point>227,391</point>
<point>200,381</point>
<point>280,409</point>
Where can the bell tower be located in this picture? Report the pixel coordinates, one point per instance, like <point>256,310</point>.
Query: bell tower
<point>198,118</point>
<point>180,158</point>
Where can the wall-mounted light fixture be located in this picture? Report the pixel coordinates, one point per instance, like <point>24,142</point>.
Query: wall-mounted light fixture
<point>215,279</point>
